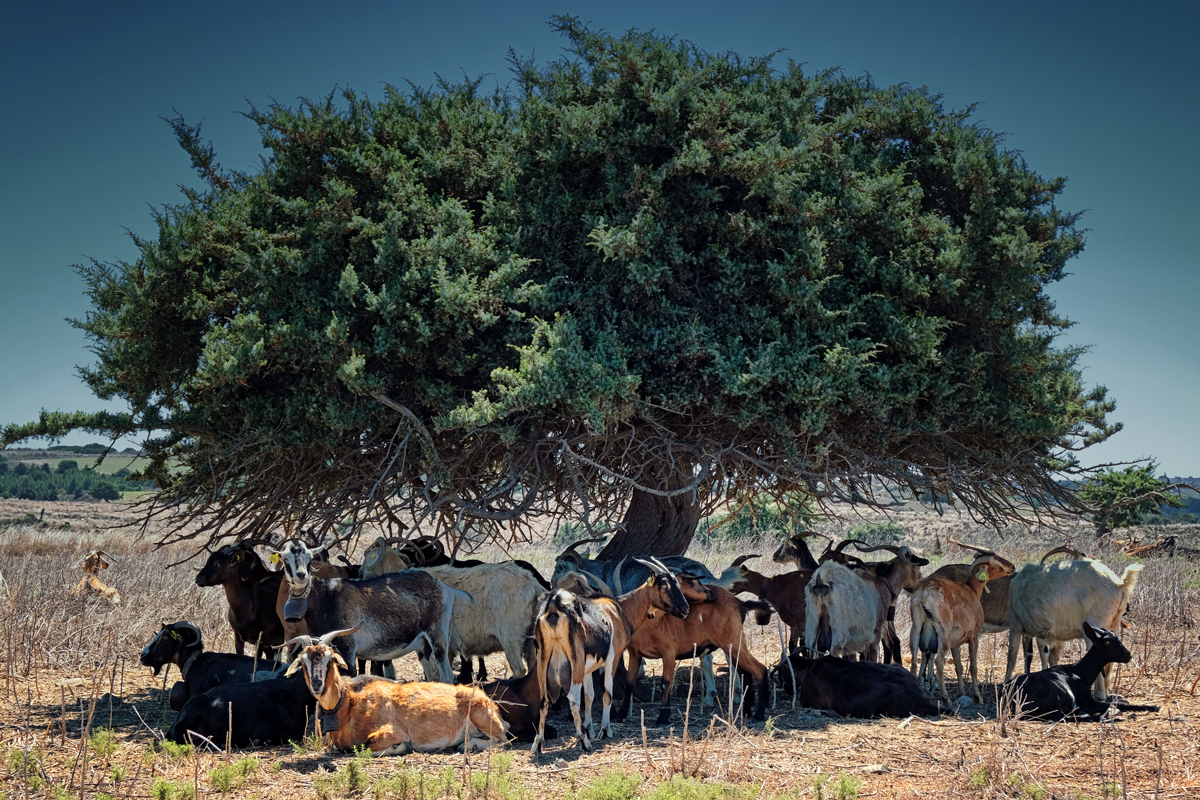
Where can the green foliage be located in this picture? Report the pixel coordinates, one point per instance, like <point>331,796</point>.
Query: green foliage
<point>117,773</point>
<point>878,533</point>
<point>846,787</point>
<point>646,255</point>
<point>681,788</point>
<point>612,785</point>
<point>1122,497</point>
<point>756,519</point>
<point>103,742</point>
<point>176,751</point>
<point>67,482</point>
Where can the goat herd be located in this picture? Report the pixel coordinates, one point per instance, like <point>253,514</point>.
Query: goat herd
<point>569,637</point>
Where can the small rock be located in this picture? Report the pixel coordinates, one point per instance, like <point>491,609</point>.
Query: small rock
<point>875,769</point>
<point>963,700</point>
<point>560,764</point>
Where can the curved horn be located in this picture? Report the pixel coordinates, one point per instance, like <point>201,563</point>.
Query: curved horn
<point>806,534</point>
<point>329,637</point>
<point>871,549</point>
<point>571,547</point>
<point>965,546</point>
<point>737,562</point>
<point>189,626</point>
<point>604,587</point>
<point>653,564</point>
<point>842,544</point>
<point>1067,549</point>
<point>393,540</point>
<point>109,557</point>
<point>303,641</point>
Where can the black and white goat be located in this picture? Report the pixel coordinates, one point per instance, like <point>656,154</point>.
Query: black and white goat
<point>574,636</point>
<point>182,644</point>
<point>1065,691</point>
<point>394,614</point>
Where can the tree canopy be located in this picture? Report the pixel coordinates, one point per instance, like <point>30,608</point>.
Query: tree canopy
<point>1122,497</point>
<point>641,268</point>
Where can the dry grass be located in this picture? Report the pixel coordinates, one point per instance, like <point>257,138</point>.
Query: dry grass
<point>70,672</point>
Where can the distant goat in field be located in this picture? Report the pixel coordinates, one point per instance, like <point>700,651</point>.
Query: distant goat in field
<point>92,563</point>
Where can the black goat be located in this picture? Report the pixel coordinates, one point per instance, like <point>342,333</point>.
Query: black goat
<point>1065,692</point>
<point>250,590</point>
<point>856,688</point>
<point>271,711</point>
<point>519,700</point>
<point>182,644</point>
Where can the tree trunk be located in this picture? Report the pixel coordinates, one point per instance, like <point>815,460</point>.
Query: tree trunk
<point>655,526</point>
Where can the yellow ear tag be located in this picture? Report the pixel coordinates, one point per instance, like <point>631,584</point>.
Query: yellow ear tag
<point>650,581</point>
<point>174,635</point>
<point>103,565</point>
<point>274,558</point>
<point>982,574</point>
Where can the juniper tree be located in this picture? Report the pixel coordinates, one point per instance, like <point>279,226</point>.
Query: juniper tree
<point>642,281</point>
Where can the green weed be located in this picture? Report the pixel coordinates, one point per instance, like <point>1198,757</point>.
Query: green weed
<point>846,787</point>
<point>613,785</point>
<point>103,742</point>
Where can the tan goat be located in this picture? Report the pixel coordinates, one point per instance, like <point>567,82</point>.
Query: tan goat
<point>393,718</point>
<point>947,614</point>
<point>92,564</point>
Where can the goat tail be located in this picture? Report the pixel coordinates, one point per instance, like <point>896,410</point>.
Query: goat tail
<point>1129,580</point>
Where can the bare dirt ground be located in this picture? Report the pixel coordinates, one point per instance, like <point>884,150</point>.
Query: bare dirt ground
<point>70,667</point>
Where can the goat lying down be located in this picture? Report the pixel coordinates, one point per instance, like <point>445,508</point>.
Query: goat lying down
<point>1065,692</point>
<point>856,688</point>
<point>393,718</point>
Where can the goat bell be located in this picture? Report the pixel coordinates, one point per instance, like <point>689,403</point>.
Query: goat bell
<point>294,609</point>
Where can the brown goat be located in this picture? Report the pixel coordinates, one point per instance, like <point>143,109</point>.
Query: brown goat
<point>519,700</point>
<point>714,622</point>
<point>92,564</point>
<point>947,614</point>
<point>785,592</point>
<point>393,718</point>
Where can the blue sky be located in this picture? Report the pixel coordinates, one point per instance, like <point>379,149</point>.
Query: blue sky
<point>1105,94</point>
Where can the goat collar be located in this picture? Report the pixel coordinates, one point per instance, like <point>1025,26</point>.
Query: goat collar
<point>329,716</point>
<point>185,666</point>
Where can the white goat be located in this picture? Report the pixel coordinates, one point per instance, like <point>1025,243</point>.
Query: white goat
<point>1052,601</point>
<point>844,612</point>
<point>499,613</point>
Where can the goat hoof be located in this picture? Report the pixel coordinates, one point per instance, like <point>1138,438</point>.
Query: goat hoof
<point>664,719</point>
<point>709,702</point>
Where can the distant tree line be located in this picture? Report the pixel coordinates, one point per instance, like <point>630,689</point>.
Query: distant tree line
<point>66,482</point>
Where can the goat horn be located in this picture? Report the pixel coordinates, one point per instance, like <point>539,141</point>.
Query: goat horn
<point>329,637</point>
<point>1066,549</point>
<point>737,562</point>
<point>304,641</point>
<point>964,545</point>
<point>199,636</point>
<point>109,557</point>
<point>571,547</point>
<point>393,540</point>
<point>842,544</point>
<point>604,587</point>
<point>652,563</point>
<point>871,549</point>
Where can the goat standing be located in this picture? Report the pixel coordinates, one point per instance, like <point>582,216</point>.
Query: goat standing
<point>574,636</point>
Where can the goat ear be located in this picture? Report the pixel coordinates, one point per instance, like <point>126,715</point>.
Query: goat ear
<point>1089,631</point>
<point>291,670</point>
<point>339,661</point>
<point>270,557</point>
